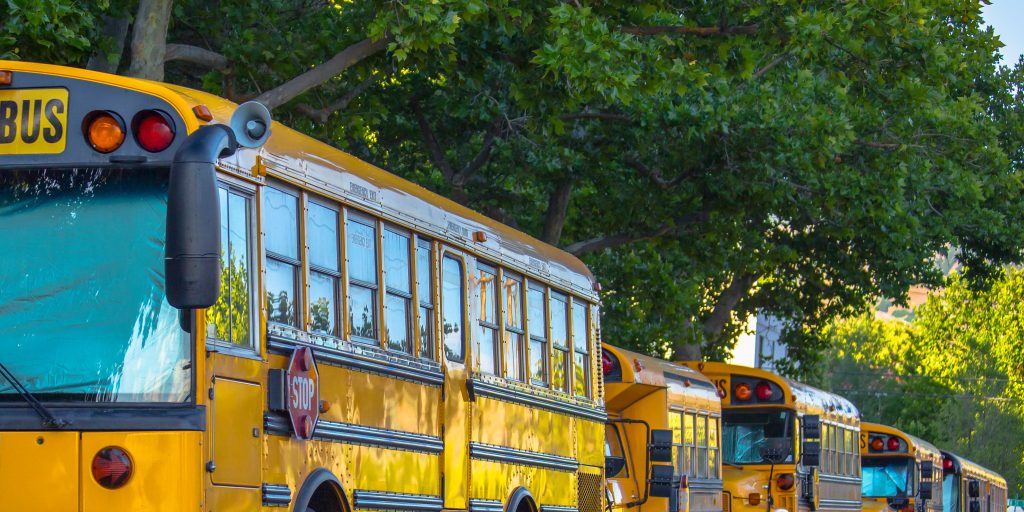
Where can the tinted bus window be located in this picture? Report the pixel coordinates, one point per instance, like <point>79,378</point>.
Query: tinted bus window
<point>452,307</point>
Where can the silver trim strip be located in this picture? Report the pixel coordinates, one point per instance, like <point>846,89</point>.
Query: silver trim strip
<point>334,357</point>
<point>360,434</point>
<point>513,395</point>
<point>521,457</point>
<point>557,508</point>
<point>393,501</point>
<point>276,495</point>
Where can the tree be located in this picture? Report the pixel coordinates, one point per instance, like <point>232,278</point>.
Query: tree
<point>707,161</point>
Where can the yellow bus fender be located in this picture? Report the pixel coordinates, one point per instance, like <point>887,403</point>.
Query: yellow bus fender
<point>520,496</point>
<point>323,481</point>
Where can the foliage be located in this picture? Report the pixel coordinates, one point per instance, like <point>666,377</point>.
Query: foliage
<point>55,31</point>
<point>706,160</point>
<point>953,377</point>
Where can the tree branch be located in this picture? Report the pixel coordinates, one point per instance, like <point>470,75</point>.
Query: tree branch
<point>726,303</point>
<point>474,165</point>
<point>888,146</point>
<point>321,114</point>
<point>607,242</point>
<point>324,72</point>
<point>655,176</point>
<point>697,31</point>
<point>768,67</point>
<point>116,28</point>
<point>558,209</point>
<point>433,148</point>
<point>149,39</point>
<point>604,116</point>
<point>196,55</point>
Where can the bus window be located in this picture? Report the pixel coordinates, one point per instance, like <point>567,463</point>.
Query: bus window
<point>690,451</point>
<point>452,293</point>
<point>514,332</point>
<point>489,351</point>
<point>324,270</point>
<point>675,424</point>
<point>538,325</point>
<point>744,433</point>
<point>397,291</point>
<point>425,296</point>
<point>559,341</point>
<point>885,478</point>
<point>281,225</point>
<point>615,458</point>
<point>713,447</point>
<point>702,446</point>
<point>581,348</point>
<point>362,275</point>
<point>229,319</point>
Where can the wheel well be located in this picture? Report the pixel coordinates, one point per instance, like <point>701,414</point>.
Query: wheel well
<point>322,492</point>
<point>521,501</point>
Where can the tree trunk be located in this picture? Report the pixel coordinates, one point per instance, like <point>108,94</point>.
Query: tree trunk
<point>116,28</point>
<point>149,39</point>
<point>558,208</point>
<point>687,346</point>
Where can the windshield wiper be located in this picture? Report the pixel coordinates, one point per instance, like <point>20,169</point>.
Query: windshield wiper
<point>48,417</point>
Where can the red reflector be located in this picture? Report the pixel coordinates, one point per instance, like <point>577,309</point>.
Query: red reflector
<point>153,130</point>
<point>202,113</point>
<point>764,391</point>
<point>947,463</point>
<point>893,444</point>
<point>112,467</point>
<point>607,365</point>
<point>786,481</point>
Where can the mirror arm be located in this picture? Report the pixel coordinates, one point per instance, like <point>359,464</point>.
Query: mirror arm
<point>647,461</point>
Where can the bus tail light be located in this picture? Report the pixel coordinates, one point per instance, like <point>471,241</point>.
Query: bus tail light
<point>893,444</point>
<point>876,444</point>
<point>947,463</point>
<point>742,391</point>
<point>104,131</point>
<point>764,391</point>
<point>112,467</point>
<point>153,130</point>
<point>607,363</point>
<point>785,481</point>
<point>754,498</point>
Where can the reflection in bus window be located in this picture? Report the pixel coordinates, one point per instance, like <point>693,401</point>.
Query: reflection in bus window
<point>398,291</point>
<point>950,490</point>
<point>324,272</point>
<point>452,309</point>
<point>885,478</point>
<point>713,447</point>
<point>581,348</point>
<point>538,325</point>
<point>424,292</point>
<point>559,342</point>
<point>514,332</point>
<point>744,434</point>
<point>702,446</point>
<point>281,224</point>
<point>228,320</point>
<point>489,362</point>
<point>362,272</point>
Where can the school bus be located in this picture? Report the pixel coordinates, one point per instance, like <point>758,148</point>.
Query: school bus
<point>785,445</point>
<point>970,487</point>
<point>644,393</point>
<point>899,470</point>
<point>204,310</point>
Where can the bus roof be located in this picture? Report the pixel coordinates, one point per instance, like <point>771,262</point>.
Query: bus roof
<point>974,470</point>
<point>799,396</point>
<point>914,443</point>
<point>690,386</point>
<point>304,161</point>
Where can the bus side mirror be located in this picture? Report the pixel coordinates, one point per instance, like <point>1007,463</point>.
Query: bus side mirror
<point>613,466</point>
<point>193,250</point>
<point>810,454</point>
<point>926,490</point>
<point>810,425</point>
<point>660,485</point>
<point>660,448</point>
<point>973,489</point>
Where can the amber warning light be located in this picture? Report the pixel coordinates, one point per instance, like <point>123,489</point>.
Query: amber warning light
<point>104,131</point>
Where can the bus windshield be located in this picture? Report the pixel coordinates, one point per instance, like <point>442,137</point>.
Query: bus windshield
<point>886,478</point>
<point>746,432</point>
<point>950,492</point>
<point>83,313</point>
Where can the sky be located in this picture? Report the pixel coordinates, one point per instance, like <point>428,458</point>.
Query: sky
<point>1007,19</point>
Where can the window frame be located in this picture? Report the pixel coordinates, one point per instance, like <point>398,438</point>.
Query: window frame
<point>341,290</point>
<point>587,345</point>
<point>544,340</point>
<point>458,257</point>
<point>252,194</point>
<point>385,291</point>
<point>298,265</point>
<point>375,296</point>
<point>431,306</point>
<point>566,351</point>
<point>497,346</point>
<point>520,331</point>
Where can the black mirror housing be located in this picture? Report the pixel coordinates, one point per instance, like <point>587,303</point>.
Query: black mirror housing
<point>810,454</point>
<point>660,448</point>
<point>810,426</point>
<point>662,478</point>
<point>974,489</point>
<point>975,506</point>
<point>193,250</point>
<point>926,491</point>
<point>613,466</point>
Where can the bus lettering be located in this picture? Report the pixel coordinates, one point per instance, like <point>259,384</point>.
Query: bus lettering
<point>8,116</point>
<point>55,131</point>
<point>723,391</point>
<point>302,392</point>
<point>31,111</point>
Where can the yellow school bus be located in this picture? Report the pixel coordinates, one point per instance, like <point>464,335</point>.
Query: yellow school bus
<point>203,310</point>
<point>643,393</point>
<point>970,487</point>
<point>899,471</point>
<point>785,445</point>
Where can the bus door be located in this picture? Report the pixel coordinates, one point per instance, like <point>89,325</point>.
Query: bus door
<point>234,367</point>
<point>456,406</point>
